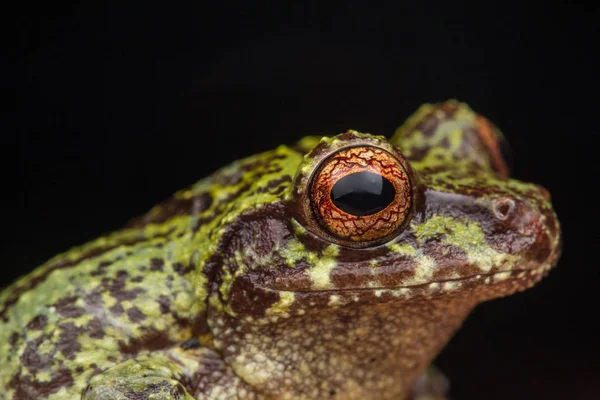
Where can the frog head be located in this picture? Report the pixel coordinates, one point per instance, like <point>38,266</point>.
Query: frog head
<point>360,219</point>
<point>356,246</point>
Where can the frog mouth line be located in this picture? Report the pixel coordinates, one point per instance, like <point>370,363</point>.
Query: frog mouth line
<point>529,276</point>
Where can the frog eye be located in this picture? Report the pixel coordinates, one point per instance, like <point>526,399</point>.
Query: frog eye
<point>360,195</point>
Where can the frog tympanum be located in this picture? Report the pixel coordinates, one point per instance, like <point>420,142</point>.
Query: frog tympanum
<point>336,268</point>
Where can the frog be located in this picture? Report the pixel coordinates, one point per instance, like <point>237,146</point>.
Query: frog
<point>334,268</point>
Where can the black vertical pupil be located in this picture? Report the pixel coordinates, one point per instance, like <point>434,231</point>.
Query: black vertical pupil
<point>362,193</point>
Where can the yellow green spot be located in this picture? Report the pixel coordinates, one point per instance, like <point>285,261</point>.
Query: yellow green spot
<point>281,307</point>
<point>322,267</point>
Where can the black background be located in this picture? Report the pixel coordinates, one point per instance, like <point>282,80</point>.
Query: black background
<point>116,108</point>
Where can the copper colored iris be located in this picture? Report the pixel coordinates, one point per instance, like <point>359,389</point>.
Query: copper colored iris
<point>361,194</point>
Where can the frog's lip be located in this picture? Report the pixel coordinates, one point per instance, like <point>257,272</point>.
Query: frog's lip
<point>524,278</point>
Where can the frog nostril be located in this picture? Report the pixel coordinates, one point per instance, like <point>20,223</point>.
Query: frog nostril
<point>504,208</point>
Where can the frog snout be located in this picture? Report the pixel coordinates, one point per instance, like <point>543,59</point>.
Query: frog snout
<point>517,217</point>
<point>533,232</point>
<point>516,213</point>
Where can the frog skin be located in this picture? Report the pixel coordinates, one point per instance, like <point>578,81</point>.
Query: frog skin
<point>255,283</point>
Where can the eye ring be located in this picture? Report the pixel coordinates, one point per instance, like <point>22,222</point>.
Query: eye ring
<point>376,161</point>
<point>360,194</point>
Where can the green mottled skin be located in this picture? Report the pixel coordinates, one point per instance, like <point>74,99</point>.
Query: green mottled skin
<point>224,291</point>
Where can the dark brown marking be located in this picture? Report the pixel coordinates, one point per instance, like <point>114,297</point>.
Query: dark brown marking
<point>182,270</point>
<point>38,322</point>
<point>67,308</point>
<point>247,299</point>
<point>164,304</point>
<point>93,299</point>
<point>95,328</point>
<point>152,340</point>
<point>116,309</point>
<point>68,344</point>
<point>32,359</point>
<point>156,264</point>
<point>28,388</point>
<point>200,325</point>
<point>274,183</point>
<point>13,340</point>
<point>101,269</point>
<point>191,343</point>
<point>135,315</point>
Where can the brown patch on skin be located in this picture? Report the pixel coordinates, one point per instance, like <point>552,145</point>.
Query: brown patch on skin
<point>284,278</point>
<point>171,208</point>
<point>182,270</point>
<point>200,325</point>
<point>32,359</point>
<point>313,242</point>
<point>95,328</point>
<point>135,315</point>
<point>13,340</point>
<point>354,228</point>
<point>261,229</point>
<point>67,308</point>
<point>247,299</point>
<point>152,340</point>
<point>156,264</point>
<point>68,344</point>
<point>27,388</point>
<point>93,299</point>
<point>116,309</point>
<point>164,304</point>
<point>101,269</point>
<point>38,322</point>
